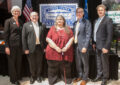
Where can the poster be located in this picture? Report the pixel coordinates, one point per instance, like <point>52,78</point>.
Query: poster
<point>113,10</point>
<point>48,13</point>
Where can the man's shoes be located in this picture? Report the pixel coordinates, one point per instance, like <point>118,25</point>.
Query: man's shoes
<point>83,82</point>
<point>104,82</point>
<point>76,80</point>
<point>39,79</point>
<point>97,79</point>
<point>32,80</point>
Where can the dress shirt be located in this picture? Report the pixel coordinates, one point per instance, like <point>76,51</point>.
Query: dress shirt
<point>76,30</point>
<point>36,28</point>
<point>97,26</point>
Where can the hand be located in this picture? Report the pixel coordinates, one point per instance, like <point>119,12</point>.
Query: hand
<point>26,51</point>
<point>58,49</point>
<point>94,47</point>
<point>104,50</point>
<point>7,51</point>
<point>84,50</point>
<point>64,49</point>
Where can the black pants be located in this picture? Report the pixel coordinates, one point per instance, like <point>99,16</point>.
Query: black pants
<point>35,62</point>
<point>82,66</point>
<point>14,63</point>
<point>56,67</point>
<point>102,64</point>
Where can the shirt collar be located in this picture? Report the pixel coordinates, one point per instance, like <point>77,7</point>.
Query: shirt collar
<point>80,20</point>
<point>35,23</point>
<point>101,17</point>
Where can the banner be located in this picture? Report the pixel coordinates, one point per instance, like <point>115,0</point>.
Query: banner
<point>112,5</point>
<point>115,15</point>
<point>113,10</point>
<point>48,13</point>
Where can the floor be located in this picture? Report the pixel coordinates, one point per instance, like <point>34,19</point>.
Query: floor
<point>4,80</point>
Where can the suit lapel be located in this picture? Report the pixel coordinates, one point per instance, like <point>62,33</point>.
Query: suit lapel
<point>75,27</point>
<point>81,26</point>
<point>39,29</point>
<point>32,27</point>
<point>101,22</point>
<point>13,22</point>
<point>78,28</point>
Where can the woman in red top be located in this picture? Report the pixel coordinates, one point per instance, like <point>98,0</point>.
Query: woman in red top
<point>59,51</point>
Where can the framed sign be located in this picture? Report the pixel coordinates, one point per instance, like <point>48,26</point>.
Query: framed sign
<point>48,13</point>
<point>115,15</point>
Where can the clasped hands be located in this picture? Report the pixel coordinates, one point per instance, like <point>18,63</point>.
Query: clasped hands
<point>59,50</point>
<point>64,49</point>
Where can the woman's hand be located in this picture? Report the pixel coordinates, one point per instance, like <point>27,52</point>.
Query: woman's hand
<point>7,51</point>
<point>58,49</point>
<point>64,49</point>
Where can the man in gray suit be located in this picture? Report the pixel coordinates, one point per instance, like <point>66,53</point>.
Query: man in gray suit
<point>82,34</point>
<point>103,31</point>
<point>33,40</point>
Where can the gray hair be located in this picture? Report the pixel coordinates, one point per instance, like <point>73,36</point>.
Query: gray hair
<point>14,8</point>
<point>33,13</point>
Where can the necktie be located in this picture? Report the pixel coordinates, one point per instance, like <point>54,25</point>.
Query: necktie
<point>37,40</point>
<point>96,28</point>
<point>37,33</point>
<point>76,32</point>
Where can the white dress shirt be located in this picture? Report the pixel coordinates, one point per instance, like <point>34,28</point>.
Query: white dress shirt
<point>36,29</point>
<point>76,31</point>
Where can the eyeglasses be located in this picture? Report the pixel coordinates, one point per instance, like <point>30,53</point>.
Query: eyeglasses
<point>80,12</point>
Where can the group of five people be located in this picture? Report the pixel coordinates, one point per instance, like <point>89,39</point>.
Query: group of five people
<point>30,38</point>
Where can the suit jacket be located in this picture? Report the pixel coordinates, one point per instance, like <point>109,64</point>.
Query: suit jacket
<point>84,33</point>
<point>13,33</point>
<point>104,33</point>
<point>29,36</point>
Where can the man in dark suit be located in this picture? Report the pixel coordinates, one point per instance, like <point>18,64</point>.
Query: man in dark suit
<point>103,31</point>
<point>33,40</point>
<point>82,34</point>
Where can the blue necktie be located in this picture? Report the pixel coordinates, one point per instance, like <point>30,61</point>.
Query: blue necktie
<point>96,28</point>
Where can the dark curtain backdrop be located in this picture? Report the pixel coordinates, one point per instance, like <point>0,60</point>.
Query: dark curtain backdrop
<point>3,12</point>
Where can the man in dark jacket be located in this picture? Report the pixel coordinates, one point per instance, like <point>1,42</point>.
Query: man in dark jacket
<point>33,40</point>
<point>103,31</point>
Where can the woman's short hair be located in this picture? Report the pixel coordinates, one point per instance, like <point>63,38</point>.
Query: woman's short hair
<point>14,8</point>
<point>33,12</point>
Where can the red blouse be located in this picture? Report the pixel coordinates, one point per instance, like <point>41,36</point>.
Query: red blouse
<point>60,38</point>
